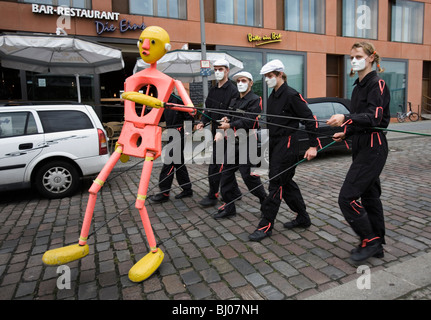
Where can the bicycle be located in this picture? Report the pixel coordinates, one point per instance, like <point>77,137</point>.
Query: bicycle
<point>413,116</point>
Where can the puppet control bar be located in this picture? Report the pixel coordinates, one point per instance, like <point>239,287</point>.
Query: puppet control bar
<point>156,103</point>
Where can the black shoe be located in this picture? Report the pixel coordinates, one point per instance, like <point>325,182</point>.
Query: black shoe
<point>159,198</point>
<point>224,214</point>
<point>208,202</point>
<point>368,249</point>
<point>184,194</point>
<point>380,254</point>
<point>260,234</point>
<point>297,224</point>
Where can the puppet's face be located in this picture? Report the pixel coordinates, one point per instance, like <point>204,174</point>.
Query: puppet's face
<point>153,44</point>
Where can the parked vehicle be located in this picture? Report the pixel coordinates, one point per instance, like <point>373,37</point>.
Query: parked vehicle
<point>323,109</point>
<point>50,147</point>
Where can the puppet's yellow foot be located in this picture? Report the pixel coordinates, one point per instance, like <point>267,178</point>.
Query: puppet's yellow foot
<point>146,266</point>
<point>64,255</point>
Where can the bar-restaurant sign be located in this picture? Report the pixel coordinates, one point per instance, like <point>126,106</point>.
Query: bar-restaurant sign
<point>265,39</point>
<point>66,13</point>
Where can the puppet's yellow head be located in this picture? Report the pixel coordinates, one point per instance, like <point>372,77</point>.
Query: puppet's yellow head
<point>153,43</point>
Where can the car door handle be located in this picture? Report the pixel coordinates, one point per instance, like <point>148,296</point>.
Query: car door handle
<point>25,146</point>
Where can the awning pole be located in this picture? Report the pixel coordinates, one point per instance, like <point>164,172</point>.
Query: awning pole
<point>78,87</point>
<point>203,49</point>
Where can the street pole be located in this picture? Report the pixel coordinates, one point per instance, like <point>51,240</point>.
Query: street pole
<point>203,49</point>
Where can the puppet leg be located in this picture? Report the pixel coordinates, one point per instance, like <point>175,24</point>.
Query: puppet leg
<point>149,263</point>
<point>74,252</point>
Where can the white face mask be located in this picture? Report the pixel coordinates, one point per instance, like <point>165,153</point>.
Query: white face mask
<point>271,82</point>
<point>219,75</point>
<point>242,87</point>
<point>358,65</point>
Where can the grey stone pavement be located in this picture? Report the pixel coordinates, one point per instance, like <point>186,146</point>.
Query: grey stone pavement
<point>208,259</point>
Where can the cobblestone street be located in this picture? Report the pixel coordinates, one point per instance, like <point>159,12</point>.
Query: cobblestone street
<point>208,259</point>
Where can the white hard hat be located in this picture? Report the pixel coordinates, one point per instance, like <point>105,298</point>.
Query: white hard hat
<point>242,74</point>
<point>221,63</point>
<point>274,65</point>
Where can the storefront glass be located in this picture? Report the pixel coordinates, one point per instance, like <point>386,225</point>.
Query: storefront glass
<point>241,12</point>
<point>395,76</point>
<point>407,21</point>
<point>50,87</point>
<point>294,69</point>
<point>305,15</point>
<point>252,62</point>
<point>360,18</point>
<point>10,84</point>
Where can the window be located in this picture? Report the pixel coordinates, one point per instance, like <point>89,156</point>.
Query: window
<point>407,21</point>
<point>241,12</point>
<point>85,4</point>
<point>395,76</point>
<point>17,124</point>
<point>294,69</point>
<point>52,87</point>
<point>252,62</point>
<point>305,15</point>
<point>339,108</point>
<point>67,120</point>
<point>322,110</point>
<point>360,18</point>
<point>176,9</point>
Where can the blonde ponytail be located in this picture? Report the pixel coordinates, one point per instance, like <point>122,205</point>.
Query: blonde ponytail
<point>369,49</point>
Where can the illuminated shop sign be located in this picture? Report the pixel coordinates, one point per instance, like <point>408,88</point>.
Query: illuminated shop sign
<point>261,40</point>
<point>123,26</point>
<point>112,25</point>
<point>74,12</point>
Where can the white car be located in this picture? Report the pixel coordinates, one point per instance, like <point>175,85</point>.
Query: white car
<point>50,147</point>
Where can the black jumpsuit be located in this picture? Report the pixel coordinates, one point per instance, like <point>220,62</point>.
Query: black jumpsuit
<point>218,98</point>
<point>284,152</point>
<point>175,119</point>
<point>369,108</point>
<point>251,103</point>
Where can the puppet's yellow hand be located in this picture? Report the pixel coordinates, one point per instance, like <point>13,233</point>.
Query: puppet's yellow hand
<point>143,99</point>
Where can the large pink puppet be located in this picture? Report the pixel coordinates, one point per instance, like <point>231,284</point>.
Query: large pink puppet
<point>140,137</point>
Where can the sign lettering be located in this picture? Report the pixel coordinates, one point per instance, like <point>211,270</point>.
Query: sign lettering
<point>66,13</point>
<point>124,26</point>
<point>74,12</point>
<point>261,40</point>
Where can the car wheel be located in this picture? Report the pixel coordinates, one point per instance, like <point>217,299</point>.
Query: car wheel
<point>57,179</point>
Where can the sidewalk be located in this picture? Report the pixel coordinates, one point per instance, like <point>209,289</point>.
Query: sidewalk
<point>208,259</point>
<point>410,280</point>
<point>419,127</point>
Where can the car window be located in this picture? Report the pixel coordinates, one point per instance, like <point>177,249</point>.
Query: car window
<point>17,124</point>
<point>322,110</point>
<point>64,120</point>
<point>340,109</point>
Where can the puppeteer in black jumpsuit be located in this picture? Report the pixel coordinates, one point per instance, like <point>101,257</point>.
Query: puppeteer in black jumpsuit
<point>174,120</point>
<point>243,116</point>
<point>218,98</point>
<point>284,153</point>
<point>369,109</point>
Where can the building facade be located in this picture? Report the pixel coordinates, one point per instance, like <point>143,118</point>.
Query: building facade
<point>312,37</point>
